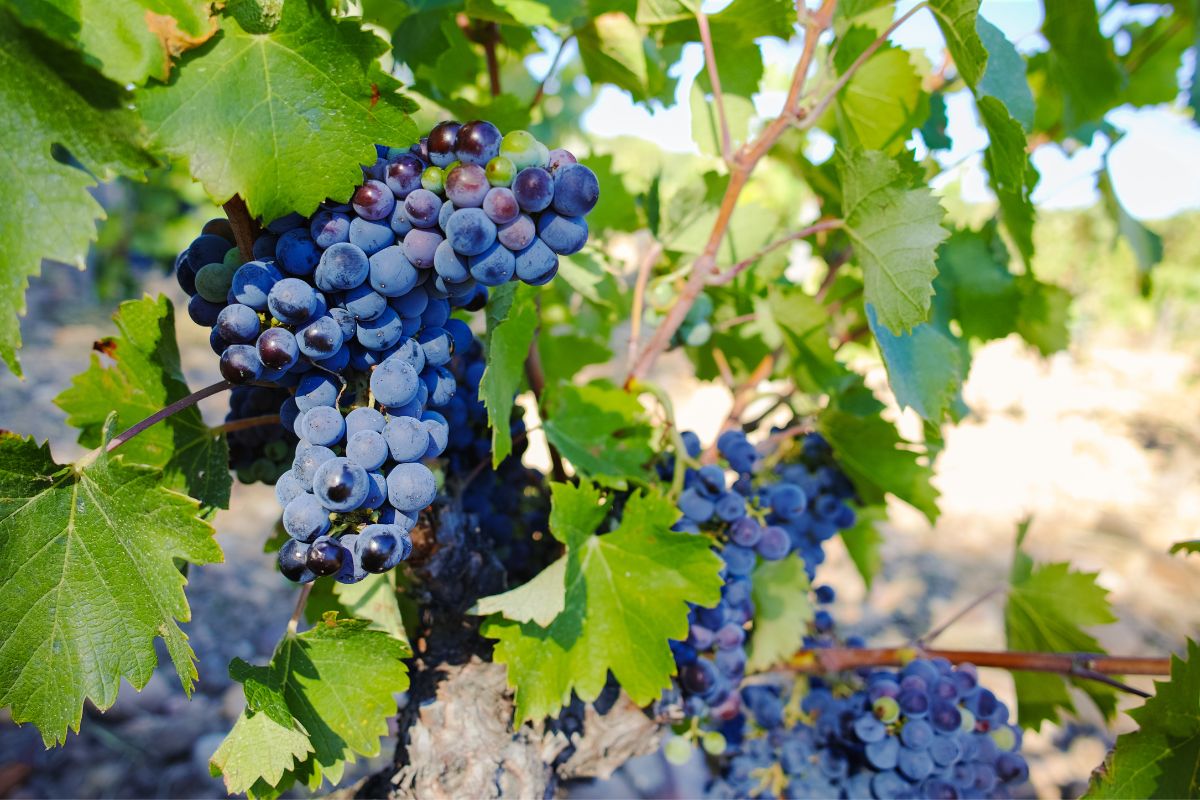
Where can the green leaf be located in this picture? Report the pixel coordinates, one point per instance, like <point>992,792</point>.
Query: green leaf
<point>782,611</point>
<point>512,319</point>
<point>145,377</point>
<point>864,540</point>
<point>613,50</point>
<point>1189,546</point>
<point>975,286</point>
<point>957,19</point>
<point>50,213</point>
<point>88,579</point>
<point>1011,173</point>
<point>249,110</point>
<point>1004,78</point>
<point>374,599</point>
<point>878,461</point>
<point>896,231</point>
<point>1147,246</point>
<point>601,430</point>
<point>1044,315</point>
<point>933,130</point>
<point>538,600</point>
<point>1080,61</point>
<point>1047,606</point>
<point>335,682</point>
<point>1161,759</point>
<point>883,101</point>
<point>923,366</point>
<point>627,594</point>
<point>128,40</point>
<point>660,12</point>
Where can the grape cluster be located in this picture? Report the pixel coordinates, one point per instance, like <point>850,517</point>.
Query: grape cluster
<point>261,453</point>
<point>927,730</point>
<point>349,311</point>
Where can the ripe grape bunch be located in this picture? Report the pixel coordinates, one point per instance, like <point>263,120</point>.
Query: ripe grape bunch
<point>348,314</point>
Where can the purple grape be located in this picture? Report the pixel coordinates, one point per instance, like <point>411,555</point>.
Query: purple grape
<point>467,186</point>
<point>534,189</point>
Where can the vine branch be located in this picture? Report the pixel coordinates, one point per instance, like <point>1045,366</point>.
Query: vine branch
<point>714,79</point>
<point>541,89</point>
<point>158,416</point>
<point>818,227</point>
<point>645,267</point>
<point>245,228</point>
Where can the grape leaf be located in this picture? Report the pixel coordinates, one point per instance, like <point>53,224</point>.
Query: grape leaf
<point>957,19</point>
<point>601,430</point>
<point>877,460</point>
<point>1004,78</point>
<point>538,600</point>
<point>88,579</point>
<point>1161,759</point>
<point>512,319</point>
<point>373,599</point>
<point>332,684</point>
<point>145,377</point>
<point>627,593</point>
<point>923,366</point>
<point>896,231</point>
<point>782,611</point>
<point>933,130</point>
<point>613,50</point>
<point>1011,174</point>
<point>975,286</point>
<point>1043,315</point>
<point>1047,605</point>
<point>1189,546</point>
<point>284,118</point>
<point>883,100</point>
<point>129,40</point>
<point>1147,246</point>
<point>864,539</point>
<point>1080,61</point>
<point>50,213</point>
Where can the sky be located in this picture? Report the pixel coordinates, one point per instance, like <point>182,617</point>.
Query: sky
<point>1155,168</point>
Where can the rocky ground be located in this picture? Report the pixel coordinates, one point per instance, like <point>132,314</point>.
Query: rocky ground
<point>1100,446</point>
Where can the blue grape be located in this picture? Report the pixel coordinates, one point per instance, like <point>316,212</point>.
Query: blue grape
<point>774,543</point>
<point>382,547</point>
<point>343,266</point>
<point>376,492</point>
<point>336,362</point>
<point>287,222</point>
<point>320,338</point>
<point>745,532</point>
<point>420,245</point>
<point>441,143</point>
<point>440,384</point>
<point>297,253</point>
<point>292,300</point>
<point>436,312</point>
<point>399,222</point>
<point>323,425</point>
<point>576,190</point>
<point>477,142</point>
<point>412,304</point>
<point>252,284</point>
<point>421,208</point>
<point>370,236</point>
<point>202,312</point>
<point>364,303</point>
<point>494,266</point>
<point>329,228</point>
<point>460,331</point>
<point>325,556</point>
<point>412,352</point>
<point>264,246</point>
<point>293,561</point>
<point>240,364</point>
<point>316,390</point>
<point>437,345</point>
<point>407,438</point>
<point>287,488</point>
<point>382,332</point>
<point>411,487</point>
<point>449,264</point>
<point>368,449</point>
<point>373,200</point>
<point>340,484</point>
<point>537,264</point>
<point>394,382</point>
<point>534,189</point>
<point>364,419</point>
<point>695,506</point>
<point>563,235</point>
<point>470,232</point>
<point>308,458</point>
<point>403,175</point>
<point>238,324</point>
<point>467,185</point>
<point>304,518</point>
<point>391,273</point>
<point>444,215</point>
<point>518,234</point>
<point>439,433</point>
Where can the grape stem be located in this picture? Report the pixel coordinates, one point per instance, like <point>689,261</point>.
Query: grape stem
<point>243,424</point>
<point>645,266</point>
<point>537,384</point>
<point>541,89</point>
<point>741,266</point>
<point>245,228</point>
<point>301,602</point>
<point>714,79</point>
<point>743,164</point>
<point>158,416</point>
<point>1091,666</point>
<point>921,641</point>
<point>743,395</point>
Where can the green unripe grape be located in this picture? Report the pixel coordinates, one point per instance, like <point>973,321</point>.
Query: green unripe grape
<point>1004,738</point>
<point>262,469</point>
<point>698,334</point>
<point>233,257</point>
<point>678,750</point>
<point>213,281</point>
<point>701,310</point>
<point>276,451</point>
<point>245,475</point>
<point>450,167</point>
<point>500,171</point>
<point>661,295</point>
<point>433,179</point>
<point>886,710</point>
<point>713,743</point>
<point>968,720</point>
<point>524,150</point>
